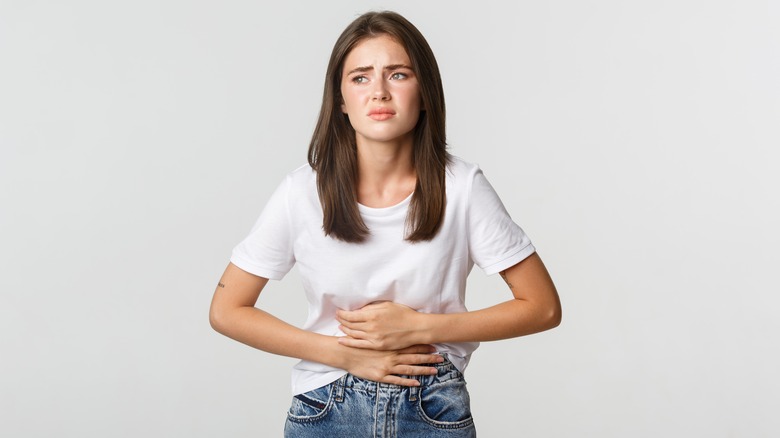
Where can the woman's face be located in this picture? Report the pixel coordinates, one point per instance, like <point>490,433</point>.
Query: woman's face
<point>380,92</point>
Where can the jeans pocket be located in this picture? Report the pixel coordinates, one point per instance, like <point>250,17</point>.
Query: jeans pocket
<point>311,405</point>
<point>446,404</point>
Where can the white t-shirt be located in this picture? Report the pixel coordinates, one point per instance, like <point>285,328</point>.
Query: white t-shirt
<point>428,276</point>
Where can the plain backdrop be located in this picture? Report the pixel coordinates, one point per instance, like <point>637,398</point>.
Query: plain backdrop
<point>635,142</point>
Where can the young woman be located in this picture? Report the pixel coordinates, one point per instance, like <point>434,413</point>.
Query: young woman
<point>384,226</point>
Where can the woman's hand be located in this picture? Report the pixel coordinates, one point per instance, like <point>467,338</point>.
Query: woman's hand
<point>233,313</point>
<point>391,366</point>
<point>535,307</point>
<point>380,326</point>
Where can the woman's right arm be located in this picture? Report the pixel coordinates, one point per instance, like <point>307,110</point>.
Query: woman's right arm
<point>233,313</point>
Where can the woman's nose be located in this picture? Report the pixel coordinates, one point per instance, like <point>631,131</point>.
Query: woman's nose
<point>380,91</point>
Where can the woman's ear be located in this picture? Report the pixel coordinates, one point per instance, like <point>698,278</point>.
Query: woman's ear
<point>343,104</point>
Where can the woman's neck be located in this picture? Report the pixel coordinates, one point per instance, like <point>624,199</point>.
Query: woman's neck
<point>386,174</point>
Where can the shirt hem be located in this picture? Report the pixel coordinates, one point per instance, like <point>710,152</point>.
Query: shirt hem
<point>260,271</point>
<point>510,261</point>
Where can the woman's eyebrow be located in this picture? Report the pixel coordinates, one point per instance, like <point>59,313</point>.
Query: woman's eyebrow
<point>370,67</point>
<point>360,69</point>
<point>397,66</point>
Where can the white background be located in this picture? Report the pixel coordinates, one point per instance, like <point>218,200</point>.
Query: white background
<point>636,142</point>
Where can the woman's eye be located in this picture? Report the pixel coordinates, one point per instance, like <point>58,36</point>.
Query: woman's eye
<point>398,75</point>
<point>360,79</point>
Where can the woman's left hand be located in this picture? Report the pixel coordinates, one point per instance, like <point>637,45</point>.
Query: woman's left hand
<point>380,326</point>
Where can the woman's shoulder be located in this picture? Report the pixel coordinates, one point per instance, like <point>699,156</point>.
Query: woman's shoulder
<point>301,176</point>
<point>461,171</point>
<point>302,171</point>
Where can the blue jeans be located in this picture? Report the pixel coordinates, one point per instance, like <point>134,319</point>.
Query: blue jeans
<point>360,408</point>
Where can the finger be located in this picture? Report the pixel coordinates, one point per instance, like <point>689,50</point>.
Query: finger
<point>380,305</point>
<point>357,334</point>
<point>421,348</point>
<point>351,324</point>
<point>411,370</point>
<point>417,359</point>
<point>397,380</point>
<point>356,343</point>
<point>350,315</point>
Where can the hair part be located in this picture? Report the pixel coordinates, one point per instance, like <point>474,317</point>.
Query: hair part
<point>333,147</point>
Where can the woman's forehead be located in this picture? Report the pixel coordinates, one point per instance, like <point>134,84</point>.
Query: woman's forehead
<point>382,49</point>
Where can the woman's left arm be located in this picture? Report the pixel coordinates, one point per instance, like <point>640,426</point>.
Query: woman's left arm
<point>386,325</point>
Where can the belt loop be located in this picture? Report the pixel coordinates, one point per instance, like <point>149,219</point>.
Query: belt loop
<point>414,392</point>
<point>339,389</point>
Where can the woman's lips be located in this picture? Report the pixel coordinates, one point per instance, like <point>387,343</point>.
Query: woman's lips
<point>380,114</point>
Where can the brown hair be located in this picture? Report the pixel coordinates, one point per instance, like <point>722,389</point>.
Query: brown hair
<point>333,148</point>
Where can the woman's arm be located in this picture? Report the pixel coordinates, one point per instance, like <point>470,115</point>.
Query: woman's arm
<point>233,314</point>
<point>535,308</point>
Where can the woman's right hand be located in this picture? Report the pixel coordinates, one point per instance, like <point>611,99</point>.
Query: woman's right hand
<point>233,313</point>
<point>393,366</point>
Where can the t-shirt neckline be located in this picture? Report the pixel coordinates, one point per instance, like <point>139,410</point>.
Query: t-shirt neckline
<point>386,211</point>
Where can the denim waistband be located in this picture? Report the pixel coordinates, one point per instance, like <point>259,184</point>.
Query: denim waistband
<point>446,371</point>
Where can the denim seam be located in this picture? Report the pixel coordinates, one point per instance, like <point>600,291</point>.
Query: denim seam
<point>413,392</point>
<point>318,416</point>
<point>462,424</point>
<point>339,389</point>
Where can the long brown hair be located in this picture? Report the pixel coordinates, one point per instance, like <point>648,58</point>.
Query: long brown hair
<point>333,147</point>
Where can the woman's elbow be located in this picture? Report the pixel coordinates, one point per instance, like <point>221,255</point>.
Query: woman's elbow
<point>217,318</point>
<point>554,316</point>
<point>547,317</point>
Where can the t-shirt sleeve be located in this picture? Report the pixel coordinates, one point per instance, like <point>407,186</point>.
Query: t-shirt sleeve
<point>496,242</point>
<point>268,251</point>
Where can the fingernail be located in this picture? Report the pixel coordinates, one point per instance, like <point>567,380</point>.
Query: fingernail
<point>433,371</point>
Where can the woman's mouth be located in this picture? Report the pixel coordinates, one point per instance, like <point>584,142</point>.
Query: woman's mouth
<point>380,114</point>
